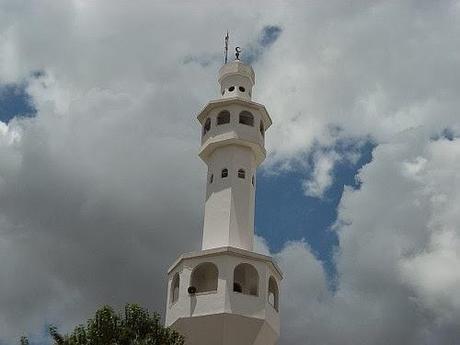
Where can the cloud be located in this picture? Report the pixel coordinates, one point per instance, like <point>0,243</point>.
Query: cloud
<point>321,178</point>
<point>102,189</point>
<point>396,265</point>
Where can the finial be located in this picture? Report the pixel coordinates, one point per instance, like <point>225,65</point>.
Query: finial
<point>237,53</point>
<point>226,48</point>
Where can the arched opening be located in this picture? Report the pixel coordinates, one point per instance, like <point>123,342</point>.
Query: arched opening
<point>246,280</point>
<point>207,126</point>
<point>223,117</point>
<point>175,288</point>
<point>241,173</point>
<point>224,173</point>
<point>242,89</point>
<point>262,129</point>
<point>246,118</point>
<point>273,293</point>
<point>204,277</point>
<point>231,88</point>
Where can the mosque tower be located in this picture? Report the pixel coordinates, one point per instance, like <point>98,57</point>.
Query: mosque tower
<point>226,294</point>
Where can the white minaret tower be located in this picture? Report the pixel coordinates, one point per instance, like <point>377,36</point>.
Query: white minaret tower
<point>226,294</point>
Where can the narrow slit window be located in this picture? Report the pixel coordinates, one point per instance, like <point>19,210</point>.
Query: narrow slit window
<point>262,129</point>
<point>175,288</point>
<point>273,293</point>
<point>211,178</point>
<point>224,173</point>
<point>241,173</point>
<point>207,126</point>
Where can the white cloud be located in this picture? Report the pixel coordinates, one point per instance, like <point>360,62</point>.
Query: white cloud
<point>322,175</point>
<point>101,191</point>
<point>398,260</point>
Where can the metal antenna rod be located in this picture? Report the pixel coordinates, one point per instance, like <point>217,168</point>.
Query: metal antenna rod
<point>226,48</point>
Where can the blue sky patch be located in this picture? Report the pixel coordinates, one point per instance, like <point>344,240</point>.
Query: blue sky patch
<point>284,213</point>
<point>255,51</point>
<point>14,102</point>
<point>269,35</point>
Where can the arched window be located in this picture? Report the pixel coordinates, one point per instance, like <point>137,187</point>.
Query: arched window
<point>231,88</point>
<point>175,288</point>
<point>241,173</point>
<point>242,89</point>
<point>223,117</point>
<point>224,173</point>
<point>207,126</point>
<point>246,280</point>
<point>246,118</point>
<point>261,128</point>
<point>204,277</point>
<point>273,293</point>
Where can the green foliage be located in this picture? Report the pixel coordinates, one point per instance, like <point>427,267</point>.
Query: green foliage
<point>135,326</point>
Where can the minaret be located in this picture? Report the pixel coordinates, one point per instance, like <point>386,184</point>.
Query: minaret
<point>226,294</point>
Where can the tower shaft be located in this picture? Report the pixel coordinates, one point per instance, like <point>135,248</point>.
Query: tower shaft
<point>230,198</point>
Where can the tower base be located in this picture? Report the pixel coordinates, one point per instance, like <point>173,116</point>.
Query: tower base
<point>225,329</point>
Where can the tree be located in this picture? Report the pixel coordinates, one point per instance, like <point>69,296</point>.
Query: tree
<point>135,326</point>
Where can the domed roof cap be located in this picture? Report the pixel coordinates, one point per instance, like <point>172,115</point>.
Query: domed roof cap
<point>237,68</point>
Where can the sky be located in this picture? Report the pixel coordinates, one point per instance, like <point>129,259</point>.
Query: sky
<point>358,199</point>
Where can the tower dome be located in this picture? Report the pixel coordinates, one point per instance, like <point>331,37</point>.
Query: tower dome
<point>236,79</point>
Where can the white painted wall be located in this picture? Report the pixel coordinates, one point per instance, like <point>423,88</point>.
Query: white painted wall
<point>223,316</point>
<point>224,300</point>
<point>229,208</point>
<point>230,202</point>
<point>236,74</point>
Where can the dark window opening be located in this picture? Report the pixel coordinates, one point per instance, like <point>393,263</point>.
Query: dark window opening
<point>241,173</point>
<point>224,173</point>
<point>273,293</point>
<point>253,180</point>
<point>204,278</point>
<point>237,287</point>
<point>223,117</point>
<point>231,88</point>
<point>246,118</point>
<point>207,126</point>
<point>262,129</point>
<point>242,89</point>
<point>211,178</point>
<point>175,288</point>
<point>246,280</point>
